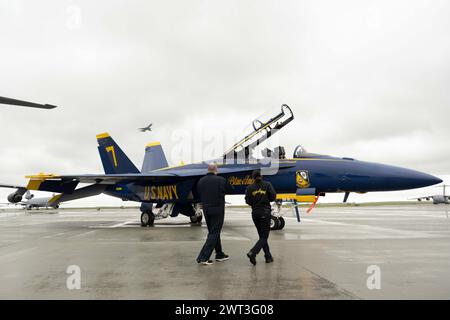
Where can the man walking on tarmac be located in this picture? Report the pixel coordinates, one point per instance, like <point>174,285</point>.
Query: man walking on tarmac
<point>212,189</point>
<point>259,195</point>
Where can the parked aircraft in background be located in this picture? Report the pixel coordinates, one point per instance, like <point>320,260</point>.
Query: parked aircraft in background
<point>438,198</point>
<point>31,201</point>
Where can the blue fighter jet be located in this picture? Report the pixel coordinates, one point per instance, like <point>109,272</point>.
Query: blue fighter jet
<point>168,191</point>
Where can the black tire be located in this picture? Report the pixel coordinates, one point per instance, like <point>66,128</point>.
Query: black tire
<point>282,223</point>
<point>196,219</point>
<point>147,219</point>
<point>274,223</point>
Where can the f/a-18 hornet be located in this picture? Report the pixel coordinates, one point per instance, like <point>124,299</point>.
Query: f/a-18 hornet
<point>147,128</point>
<point>168,191</point>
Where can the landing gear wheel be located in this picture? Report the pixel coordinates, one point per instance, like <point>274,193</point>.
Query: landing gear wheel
<point>147,219</point>
<point>196,219</point>
<point>274,223</point>
<point>282,223</point>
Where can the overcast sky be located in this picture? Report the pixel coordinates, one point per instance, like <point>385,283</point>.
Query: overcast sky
<point>366,79</point>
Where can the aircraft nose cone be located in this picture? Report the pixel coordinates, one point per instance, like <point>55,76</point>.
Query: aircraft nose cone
<point>411,179</point>
<point>424,179</point>
<point>367,176</point>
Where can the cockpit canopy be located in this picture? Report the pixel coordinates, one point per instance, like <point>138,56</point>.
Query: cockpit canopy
<point>300,152</point>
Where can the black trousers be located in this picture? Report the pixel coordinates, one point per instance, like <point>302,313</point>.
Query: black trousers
<point>214,220</point>
<point>262,224</point>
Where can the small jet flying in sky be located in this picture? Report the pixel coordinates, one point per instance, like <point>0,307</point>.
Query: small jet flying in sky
<point>437,198</point>
<point>147,128</point>
<point>31,202</point>
<point>168,191</point>
<point>21,103</point>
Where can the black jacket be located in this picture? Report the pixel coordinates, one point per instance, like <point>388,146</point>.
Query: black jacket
<point>259,195</point>
<point>212,190</point>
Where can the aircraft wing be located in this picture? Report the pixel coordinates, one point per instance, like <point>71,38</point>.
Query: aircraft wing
<point>12,186</point>
<point>68,183</point>
<point>422,198</point>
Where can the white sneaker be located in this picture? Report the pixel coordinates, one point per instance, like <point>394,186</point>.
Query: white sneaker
<point>222,257</point>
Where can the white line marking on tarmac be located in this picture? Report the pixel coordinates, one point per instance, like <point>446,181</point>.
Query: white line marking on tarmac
<point>117,225</point>
<point>82,234</point>
<point>54,235</point>
<point>172,226</point>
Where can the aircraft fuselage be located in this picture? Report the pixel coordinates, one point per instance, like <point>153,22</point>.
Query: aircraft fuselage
<point>312,175</point>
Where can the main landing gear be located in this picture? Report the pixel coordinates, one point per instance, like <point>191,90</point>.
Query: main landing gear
<point>276,220</point>
<point>147,216</point>
<point>196,219</point>
<point>198,215</point>
<point>150,213</point>
<point>277,223</point>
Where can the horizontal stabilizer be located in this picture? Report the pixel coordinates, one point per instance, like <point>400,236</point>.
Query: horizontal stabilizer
<point>84,192</point>
<point>51,184</point>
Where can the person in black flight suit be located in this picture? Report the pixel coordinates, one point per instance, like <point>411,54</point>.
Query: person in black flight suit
<point>259,195</point>
<point>212,190</point>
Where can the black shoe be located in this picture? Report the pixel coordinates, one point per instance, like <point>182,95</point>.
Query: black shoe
<point>252,257</point>
<point>222,257</point>
<point>205,262</point>
<point>269,259</point>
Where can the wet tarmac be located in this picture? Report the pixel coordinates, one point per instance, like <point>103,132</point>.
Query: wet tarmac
<point>326,256</point>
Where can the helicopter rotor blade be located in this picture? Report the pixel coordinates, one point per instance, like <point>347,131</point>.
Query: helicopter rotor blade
<point>15,102</point>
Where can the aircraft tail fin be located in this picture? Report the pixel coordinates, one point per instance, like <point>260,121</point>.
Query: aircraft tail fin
<point>114,160</point>
<point>154,158</point>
